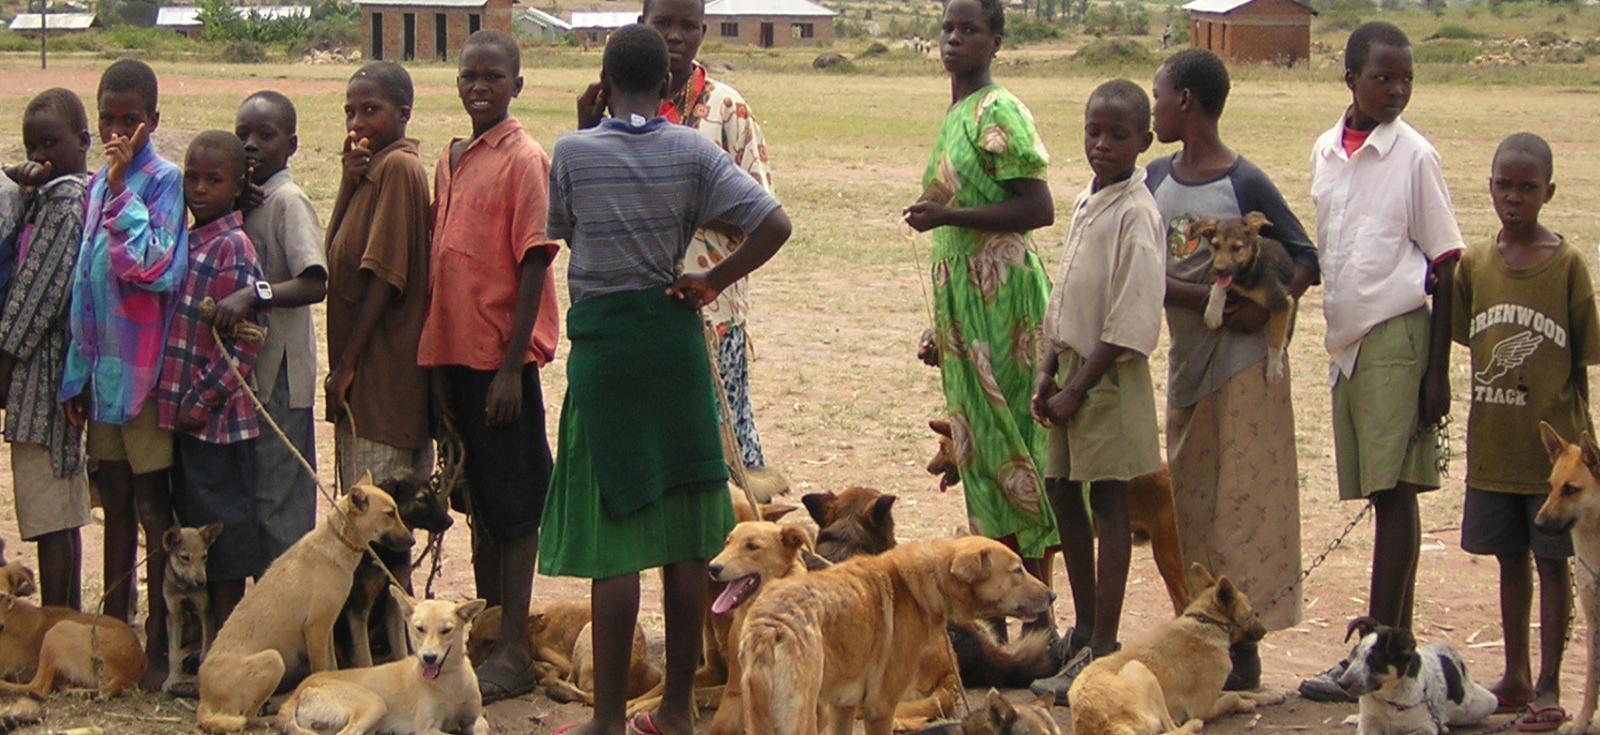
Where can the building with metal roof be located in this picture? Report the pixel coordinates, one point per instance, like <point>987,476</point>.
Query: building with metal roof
<point>769,23</point>
<point>54,24</point>
<point>1277,31</point>
<point>536,24</point>
<point>426,30</point>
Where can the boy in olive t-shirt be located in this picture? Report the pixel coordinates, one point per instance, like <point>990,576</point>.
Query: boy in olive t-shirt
<point>1525,308</point>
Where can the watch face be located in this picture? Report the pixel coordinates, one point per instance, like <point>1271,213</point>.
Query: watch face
<point>264,290</point>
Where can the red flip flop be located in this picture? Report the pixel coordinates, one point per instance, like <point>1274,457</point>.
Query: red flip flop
<point>1504,706</point>
<point>1542,719</point>
<point>642,724</point>
<point>566,729</point>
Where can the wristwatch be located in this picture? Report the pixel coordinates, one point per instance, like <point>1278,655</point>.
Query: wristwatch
<point>264,292</point>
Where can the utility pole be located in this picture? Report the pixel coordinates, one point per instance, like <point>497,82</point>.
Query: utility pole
<point>44,11</point>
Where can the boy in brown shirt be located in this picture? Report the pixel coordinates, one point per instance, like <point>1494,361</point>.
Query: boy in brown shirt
<point>378,238</point>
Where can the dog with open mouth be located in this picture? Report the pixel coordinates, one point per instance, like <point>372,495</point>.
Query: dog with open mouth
<point>1255,268</point>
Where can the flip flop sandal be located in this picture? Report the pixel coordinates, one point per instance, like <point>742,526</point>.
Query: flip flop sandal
<point>1542,719</point>
<point>643,724</point>
<point>1504,706</point>
<point>493,688</point>
<point>566,729</point>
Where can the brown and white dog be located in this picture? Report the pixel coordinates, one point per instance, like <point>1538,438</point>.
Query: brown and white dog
<point>1574,504</point>
<point>1256,268</point>
<point>839,639</point>
<point>288,616</point>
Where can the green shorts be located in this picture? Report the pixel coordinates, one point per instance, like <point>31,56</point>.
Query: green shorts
<point>1376,441</point>
<point>1114,434</point>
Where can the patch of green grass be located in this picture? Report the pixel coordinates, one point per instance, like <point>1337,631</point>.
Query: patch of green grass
<point>1445,52</point>
<point>1457,32</point>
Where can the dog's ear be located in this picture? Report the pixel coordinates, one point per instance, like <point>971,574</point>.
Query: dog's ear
<point>970,566</point>
<point>171,538</point>
<point>1554,445</point>
<point>468,611</point>
<point>813,562</point>
<point>1227,594</point>
<point>1001,713</point>
<point>536,620</point>
<point>940,427</point>
<point>1591,455</point>
<point>366,478</point>
<point>794,537</point>
<point>1364,625</point>
<point>1255,222</point>
<point>1203,228</point>
<point>407,605</point>
<point>210,532</point>
<point>358,497</point>
<point>883,511</point>
<point>773,512</point>
<point>1399,644</point>
<point>819,505</point>
<point>1199,579</point>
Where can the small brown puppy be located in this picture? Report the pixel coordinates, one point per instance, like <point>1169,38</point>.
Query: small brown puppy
<point>188,601</point>
<point>17,580</point>
<point>59,643</point>
<point>1000,717</point>
<point>1256,268</point>
<point>288,616</point>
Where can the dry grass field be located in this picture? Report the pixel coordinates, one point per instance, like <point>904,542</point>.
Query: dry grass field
<point>839,397</point>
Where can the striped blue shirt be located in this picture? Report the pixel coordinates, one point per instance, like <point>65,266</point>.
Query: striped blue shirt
<point>629,198</point>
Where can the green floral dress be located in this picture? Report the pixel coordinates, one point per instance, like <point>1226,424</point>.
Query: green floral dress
<point>989,293</point>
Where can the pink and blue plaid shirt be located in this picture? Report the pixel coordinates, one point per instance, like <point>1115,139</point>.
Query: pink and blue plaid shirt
<point>134,255</point>
<point>195,379</point>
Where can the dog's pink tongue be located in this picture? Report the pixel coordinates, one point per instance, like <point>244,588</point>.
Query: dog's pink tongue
<point>1224,281</point>
<point>430,672</point>
<point>732,595</point>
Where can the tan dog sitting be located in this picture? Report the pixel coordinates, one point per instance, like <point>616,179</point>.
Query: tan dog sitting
<point>1175,674</point>
<point>188,600</point>
<point>288,616</point>
<point>845,638</point>
<point>429,692</point>
<point>57,643</point>
<point>1256,268</point>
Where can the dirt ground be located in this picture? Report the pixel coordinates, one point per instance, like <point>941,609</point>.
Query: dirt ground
<point>839,397</point>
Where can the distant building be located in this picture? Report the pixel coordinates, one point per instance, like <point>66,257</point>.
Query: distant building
<point>426,30</point>
<point>769,23</point>
<point>56,24</point>
<point>536,24</point>
<point>595,28</point>
<point>185,19</point>
<point>1277,31</point>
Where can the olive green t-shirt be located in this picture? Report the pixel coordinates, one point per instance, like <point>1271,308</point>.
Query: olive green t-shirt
<point>1530,332</point>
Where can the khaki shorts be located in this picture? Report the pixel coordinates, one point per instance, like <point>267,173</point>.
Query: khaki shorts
<point>46,503</point>
<point>1114,434</point>
<point>141,442</point>
<point>1376,442</point>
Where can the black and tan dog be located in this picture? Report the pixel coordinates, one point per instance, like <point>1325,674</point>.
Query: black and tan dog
<point>370,606</point>
<point>998,716</point>
<point>1255,268</point>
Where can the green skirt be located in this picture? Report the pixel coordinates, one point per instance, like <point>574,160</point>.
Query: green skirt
<point>578,538</point>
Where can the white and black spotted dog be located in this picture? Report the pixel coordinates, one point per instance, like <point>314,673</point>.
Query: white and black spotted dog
<point>1406,691</point>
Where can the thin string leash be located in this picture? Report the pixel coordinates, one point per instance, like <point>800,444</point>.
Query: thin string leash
<point>912,238</point>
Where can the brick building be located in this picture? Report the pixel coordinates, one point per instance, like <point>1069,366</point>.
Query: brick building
<point>769,23</point>
<point>1277,31</point>
<point>426,30</point>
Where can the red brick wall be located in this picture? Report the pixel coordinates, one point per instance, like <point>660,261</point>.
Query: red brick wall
<point>1264,30</point>
<point>782,30</point>
<point>494,14</point>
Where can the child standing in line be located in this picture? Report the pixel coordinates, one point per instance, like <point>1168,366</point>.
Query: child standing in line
<point>378,286</point>
<point>288,240</point>
<point>643,483</point>
<point>1386,230</point>
<point>11,215</point>
<point>199,396</point>
<point>1093,387</point>
<point>1525,307</point>
<point>1230,430</point>
<point>134,256</point>
<point>47,467</point>
<point>492,324</point>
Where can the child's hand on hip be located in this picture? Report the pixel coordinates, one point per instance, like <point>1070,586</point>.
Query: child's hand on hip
<point>695,290</point>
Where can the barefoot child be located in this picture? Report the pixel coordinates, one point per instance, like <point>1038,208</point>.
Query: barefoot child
<point>1230,431</point>
<point>1093,387</point>
<point>1386,231</point>
<point>1524,370</point>
<point>492,324</point>
<point>203,401</point>
<point>134,256</point>
<point>641,480</point>
<point>283,227</point>
<point>47,468</point>
<point>377,396</point>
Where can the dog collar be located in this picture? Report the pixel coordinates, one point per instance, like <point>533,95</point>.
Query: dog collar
<point>1225,627</point>
<point>339,533</point>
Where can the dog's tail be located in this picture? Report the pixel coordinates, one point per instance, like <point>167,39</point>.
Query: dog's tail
<point>756,661</point>
<point>985,662</point>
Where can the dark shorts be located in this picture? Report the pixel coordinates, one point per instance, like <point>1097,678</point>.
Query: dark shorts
<point>508,468</point>
<point>1501,524</point>
<point>216,483</point>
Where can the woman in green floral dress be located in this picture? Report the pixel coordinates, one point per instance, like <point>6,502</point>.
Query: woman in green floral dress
<point>984,190</point>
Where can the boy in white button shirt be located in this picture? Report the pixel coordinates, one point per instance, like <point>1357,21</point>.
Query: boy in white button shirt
<point>1387,236</point>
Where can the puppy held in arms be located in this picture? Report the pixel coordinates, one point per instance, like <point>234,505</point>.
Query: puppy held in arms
<point>1254,268</point>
